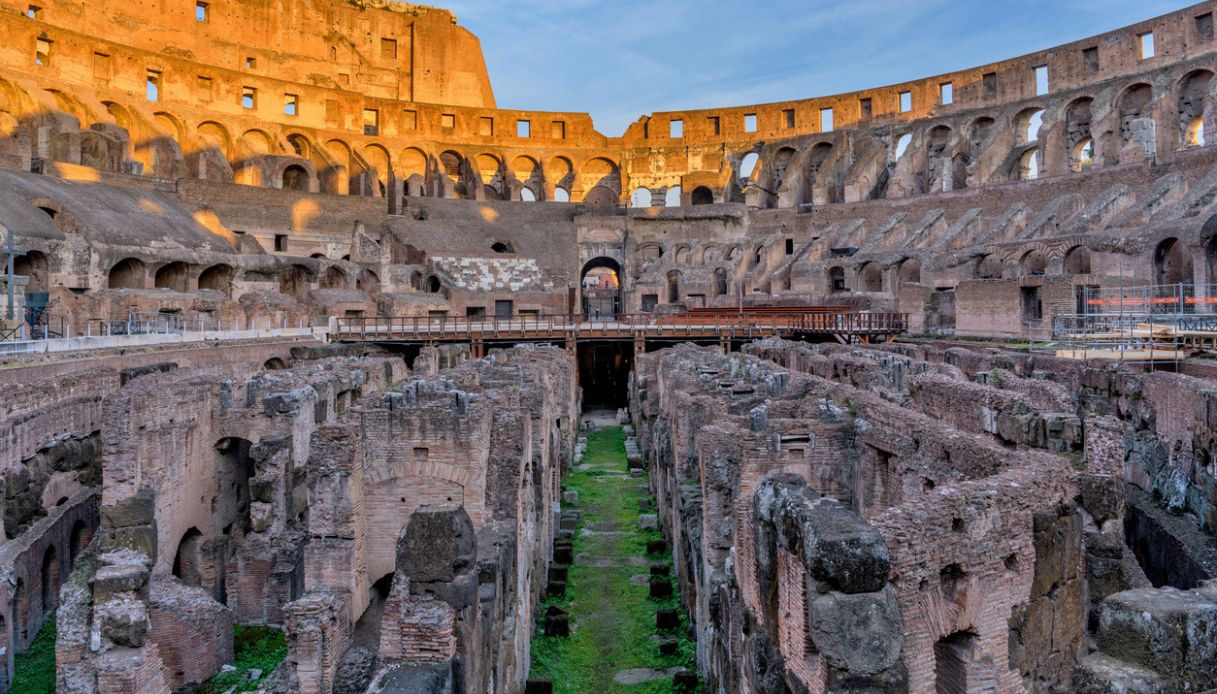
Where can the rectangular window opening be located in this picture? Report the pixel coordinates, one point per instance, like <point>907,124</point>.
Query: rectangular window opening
<point>1147,45</point>
<point>344,79</point>
<point>866,108</point>
<point>1033,307</point>
<point>557,130</point>
<point>152,86</point>
<point>523,128</point>
<point>280,243</point>
<point>906,102</point>
<point>712,125</point>
<point>946,93</point>
<point>203,86</point>
<point>388,49</point>
<point>826,120</point>
<point>447,121</point>
<point>1204,26</point>
<point>750,123</point>
<point>989,83</point>
<point>789,246</point>
<point>1041,80</point>
<point>788,118</point>
<point>33,12</point>
<point>291,105</point>
<point>42,52</point>
<point>101,66</point>
<point>371,121</point>
<point>200,12</point>
<point>249,98</point>
<point>251,63</point>
<point>486,126</point>
<point>1090,58</point>
<point>409,120</point>
<point>676,129</point>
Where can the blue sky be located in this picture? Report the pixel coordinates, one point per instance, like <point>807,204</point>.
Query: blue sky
<point>621,59</point>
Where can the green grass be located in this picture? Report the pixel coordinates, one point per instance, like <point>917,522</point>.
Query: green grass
<point>255,647</point>
<point>34,670</point>
<point>612,619</point>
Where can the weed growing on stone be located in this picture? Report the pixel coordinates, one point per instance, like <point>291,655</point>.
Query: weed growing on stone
<point>255,648</point>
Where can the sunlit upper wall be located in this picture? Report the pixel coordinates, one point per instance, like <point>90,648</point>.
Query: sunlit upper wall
<point>382,49</point>
<point>1158,42</point>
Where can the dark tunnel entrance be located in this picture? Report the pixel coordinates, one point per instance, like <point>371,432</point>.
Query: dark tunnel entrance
<point>604,373</point>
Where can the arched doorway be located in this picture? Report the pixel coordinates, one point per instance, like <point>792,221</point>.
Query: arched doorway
<point>1172,264</point>
<point>295,177</point>
<point>600,281</point>
<point>702,196</point>
<point>126,274</point>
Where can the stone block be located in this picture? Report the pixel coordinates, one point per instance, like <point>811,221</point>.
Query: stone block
<point>648,521</point>
<point>667,619</point>
<point>859,633</point>
<point>123,620</point>
<point>657,546</point>
<point>1101,674</point>
<point>661,588</point>
<point>557,622</point>
<point>661,570</point>
<point>1170,631</point>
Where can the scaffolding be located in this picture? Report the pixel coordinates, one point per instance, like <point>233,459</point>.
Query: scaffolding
<point>1149,324</point>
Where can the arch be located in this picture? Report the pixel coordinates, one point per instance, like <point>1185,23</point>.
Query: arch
<point>380,166</point>
<point>215,136</point>
<point>127,273</point>
<point>1193,91</point>
<point>1078,138</point>
<point>870,277</point>
<point>300,145</point>
<point>524,168</point>
<point>1027,125</point>
<point>641,197</point>
<point>701,195</point>
<point>294,281</point>
<point>600,282</point>
<point>412,161</point>
<point>217,278</point>
<point>50,580</point>
<point>1034,263</point>
<point>503,247</point>
<point>747,165</point>
<point>902,145</point>
<point>174,276</point>
<point>1134,104</point>
<point>78,539</point>
<point>432,285</point>
<point>672,197</point>
<point>526,195</point>
<point>650,251</point>
<point>1029,165</point>
<point>1082,156</point>
<point>348,162</point>
<point>368,282</point>
<point>274,364</point>
<point>188,560</point>
<point>1077,261</point>
<point>295,178</point>
<point>989,267</point>
<point>1172,264</point>
<point>561,195</point>
<point>600,197</point>
<point>257,142</point>
<point>333,278</point>
<point>720,281</point>
<point>682,254</point>
<point>910,271</point>
<point>674,278</point>
<point>34,266</point>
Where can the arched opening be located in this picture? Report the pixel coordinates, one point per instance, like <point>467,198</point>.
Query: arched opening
<point>1134,105</point>
<point>1077,261</point>
<point>720,281</point>
<point>871,277</point>
<point>295,177</point>
<point>600,197</point>
<point>79,539</point>
<point>502,247</point>
<point>1028,125</point>
<point>673,286</point>
<point>748,165</point>
<point>641,198</point>
<point>902,145</point>
<point>368,282</point>
<point>600,280</point>
<point>701,196</point>
<point>333,278</point>
<point>1193,93</point>
<point>561,195</point>
<point>217,278</point>
<point>34,266</point>
<point>1172,265</point>
<point>432,285</point>
<point>1034,264</point>
<point>960,665</point>
<point>1082,157</point>
<point>1029,165</point>
<point>910,272</point>
<point>294,282</point>
<point>526,195</point>
<point>174,276</point>
<point>50,580</point>
<point>672,197</point>
<point>989,267</point>
<point>188,562</point>
<point>126,274</point>
<point>836,280</point>
<point>274,364</point>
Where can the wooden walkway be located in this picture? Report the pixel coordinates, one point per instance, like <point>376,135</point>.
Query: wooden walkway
<point>714,324</point>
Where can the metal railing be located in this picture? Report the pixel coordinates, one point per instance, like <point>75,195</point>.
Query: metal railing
<point>640,324</point>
